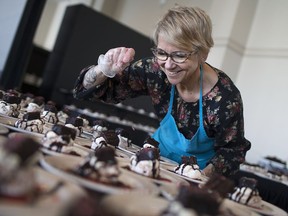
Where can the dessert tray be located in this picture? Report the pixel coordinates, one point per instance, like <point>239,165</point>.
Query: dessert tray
<point>3,130</point>
<point>117,204</point>
<point>203,179</point>
<point>167,181</point>
<point>230,208</point>
<point>118,153</point>
<point>138,205</point>
<point>267,209</point>
<point>81,152</point>
<point>264,173</point>
<point>167,162</point>
<point>54,192</point>
<point>130,149</point>
<point>17,133</point>
<point>60,166</point>
<point>82,141</point>
<point>7,120</point>
<point>22,130</point>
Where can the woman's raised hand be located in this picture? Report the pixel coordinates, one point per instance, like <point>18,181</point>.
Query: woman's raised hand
<point>115,60</point>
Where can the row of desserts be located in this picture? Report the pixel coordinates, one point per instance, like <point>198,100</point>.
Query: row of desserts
<point>145,161</point>
<point>102,166</point>
<point>266,172</point>
<point>15,104</point>
<point>137,160</point>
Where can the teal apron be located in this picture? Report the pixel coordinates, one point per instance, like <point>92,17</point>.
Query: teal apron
<point>174,145</point>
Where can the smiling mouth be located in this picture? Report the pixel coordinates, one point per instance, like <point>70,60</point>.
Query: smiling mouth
<point>173,73</point>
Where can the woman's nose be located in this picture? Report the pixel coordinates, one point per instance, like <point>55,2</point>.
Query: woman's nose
<point>169,63</point>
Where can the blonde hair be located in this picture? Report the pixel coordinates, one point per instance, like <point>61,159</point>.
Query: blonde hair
<point>188,28</point>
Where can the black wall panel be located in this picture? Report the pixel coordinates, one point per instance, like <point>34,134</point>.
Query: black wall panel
<point>83,36</point>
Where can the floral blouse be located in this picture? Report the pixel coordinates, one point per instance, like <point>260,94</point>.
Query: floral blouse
<point>222,108</point>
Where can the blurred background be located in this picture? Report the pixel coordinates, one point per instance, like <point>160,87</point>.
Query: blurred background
<point>45,43</point>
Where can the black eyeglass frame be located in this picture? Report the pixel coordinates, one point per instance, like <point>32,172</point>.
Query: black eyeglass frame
<point>171,55</point>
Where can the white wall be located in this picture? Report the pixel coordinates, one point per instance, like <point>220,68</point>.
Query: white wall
<point>50,21</point>
<point>251,46</point>
<point>263,78</point>
<point>11,12</point>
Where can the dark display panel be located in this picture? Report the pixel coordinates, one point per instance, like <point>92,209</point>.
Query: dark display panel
<point>84,35</point>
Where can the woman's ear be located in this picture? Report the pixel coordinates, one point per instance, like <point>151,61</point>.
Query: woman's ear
<point>203,58</point>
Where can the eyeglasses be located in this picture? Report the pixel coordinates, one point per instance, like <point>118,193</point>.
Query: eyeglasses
<point>177,56</point>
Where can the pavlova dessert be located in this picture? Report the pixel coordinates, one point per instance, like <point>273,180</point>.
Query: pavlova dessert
<point>10,105</point>
<point>146,162</point>
<point>31,121</point>
<point>36,105</point>
<point>247,193</point>
<point>124,138</point>
<point>100,165</point>
<point>190,168</point>
<point>99,125</point>
<point>201,201</point>
<point>76,123</point>
<point>61,139</point>
<point>49,114</point>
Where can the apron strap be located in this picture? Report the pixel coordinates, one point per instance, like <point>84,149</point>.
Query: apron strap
<point>201,123</point>
<point>171,98</point>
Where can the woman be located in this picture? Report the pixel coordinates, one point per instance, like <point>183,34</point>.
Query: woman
<point>199,107</point>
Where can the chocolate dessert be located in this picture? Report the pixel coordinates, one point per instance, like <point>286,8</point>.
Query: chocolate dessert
<point>50,114</point>
<point>59,139</point>
<point>63,130</point>
<point>63,114</point>
<point>150,142</point>
<point>189,168</point>
<point>10,105</point>
<point>220,185</point>
<point>99,125</point>
<point>124,138</point>
<point>31,121</point>
<point>75,123</point>
<point>39,100</point>
<point>17,155</point>
<point>146,162</point>
<point>247,193</point>
<point>13,92</point>
<point>110,137</point>
<point>12,99</point>
<point>86,121</point>
<point>36,104</point>
<point>26,98</point>
<point>98,142</point>
<point>193,201</point>
<point>100,165</point>
<point>2,93</point>
<point>22,146</point>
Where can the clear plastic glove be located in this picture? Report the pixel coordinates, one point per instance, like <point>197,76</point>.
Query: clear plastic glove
<point>115,60</point>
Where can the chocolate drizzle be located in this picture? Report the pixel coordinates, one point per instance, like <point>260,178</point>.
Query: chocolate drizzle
<point>12,99</point>
<point>187,161</point>
<point>77,122</point>
<point>31,116</point>
<point>63,130</point>
<point>148,154</point>
<point>151,141</point>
